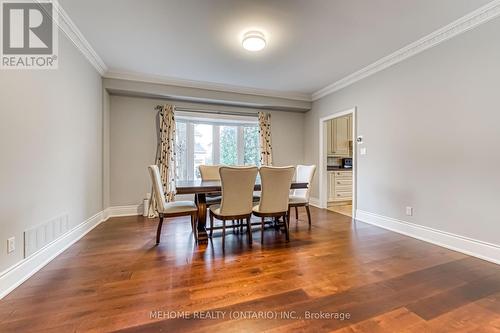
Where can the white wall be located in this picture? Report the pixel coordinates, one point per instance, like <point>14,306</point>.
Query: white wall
<point>432,133</point>
<point>50,146</point>
<point>133,144</point>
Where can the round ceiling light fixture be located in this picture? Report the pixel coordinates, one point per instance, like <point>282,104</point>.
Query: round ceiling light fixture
<point>253,41</point>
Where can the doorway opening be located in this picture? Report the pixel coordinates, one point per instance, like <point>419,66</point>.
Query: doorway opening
<point>337,167</point>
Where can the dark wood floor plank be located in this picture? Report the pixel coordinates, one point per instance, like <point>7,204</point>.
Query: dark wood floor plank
<point>435,305</point>
<point>393,321</point>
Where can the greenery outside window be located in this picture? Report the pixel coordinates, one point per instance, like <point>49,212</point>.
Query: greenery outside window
<point>221,140</point>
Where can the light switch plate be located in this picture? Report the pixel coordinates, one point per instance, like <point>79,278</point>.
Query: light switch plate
<point>409,211</point>
<point>362,151</point>
<point>11,244</point>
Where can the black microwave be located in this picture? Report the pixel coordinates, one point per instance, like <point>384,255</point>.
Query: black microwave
<point>347,163</point>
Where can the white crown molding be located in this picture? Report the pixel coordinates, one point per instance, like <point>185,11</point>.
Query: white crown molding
<point>75,35</point>
<point>469,246</point>
<point>463,24</point>
<point>158,79</point>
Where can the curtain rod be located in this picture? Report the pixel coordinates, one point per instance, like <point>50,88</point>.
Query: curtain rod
<point>230,113</point>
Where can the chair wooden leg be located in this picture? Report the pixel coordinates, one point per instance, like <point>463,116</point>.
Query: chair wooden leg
<point>158,231</point>
<point>308,214</point>
<point>262,232</point>
<point>249,230</point>
<point>223,234</point>
<point>287,234</point>
<point>211,225</point>
<point>296,212</point>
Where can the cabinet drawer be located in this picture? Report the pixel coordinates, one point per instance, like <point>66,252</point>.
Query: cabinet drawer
<point>343,188</point>
<point>343,174</point>
<point>343,182</point>
<point>343,195</point>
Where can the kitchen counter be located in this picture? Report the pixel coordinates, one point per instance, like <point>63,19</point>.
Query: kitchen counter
<point>334,168</point>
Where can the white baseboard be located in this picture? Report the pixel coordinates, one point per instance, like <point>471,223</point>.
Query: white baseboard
<point>116,211</point>
<point>15,275</point>
<point>469,246</point>
<point>315,202</point>
<point>12,277</point>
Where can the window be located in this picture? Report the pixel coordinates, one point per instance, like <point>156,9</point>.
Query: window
<point>203,147</point>
<point>221,140</point>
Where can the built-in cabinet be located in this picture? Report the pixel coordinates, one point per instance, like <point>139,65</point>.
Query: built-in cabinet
<point>339,186</point>
<point>339,139</point>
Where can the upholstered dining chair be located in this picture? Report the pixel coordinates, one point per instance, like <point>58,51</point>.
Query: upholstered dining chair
<point>170,209</point>
<point>210,173</point>
<point>237,193</point>
<point>300,197</point>
<point>275,186</point>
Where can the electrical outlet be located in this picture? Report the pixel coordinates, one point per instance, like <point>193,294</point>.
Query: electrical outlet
<point>409,211</point>
<point>11,244</point>
<point>362,151</point>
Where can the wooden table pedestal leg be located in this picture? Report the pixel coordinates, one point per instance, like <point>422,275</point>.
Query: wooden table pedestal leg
<point>201,202</point>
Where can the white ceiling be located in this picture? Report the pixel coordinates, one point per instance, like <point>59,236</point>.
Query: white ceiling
<point>311,43</point>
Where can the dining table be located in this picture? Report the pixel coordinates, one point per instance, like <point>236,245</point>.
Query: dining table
<point>201,188</point>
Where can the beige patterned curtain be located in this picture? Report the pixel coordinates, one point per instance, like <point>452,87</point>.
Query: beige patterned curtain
<point>266,148</point>
<point>165,155</point>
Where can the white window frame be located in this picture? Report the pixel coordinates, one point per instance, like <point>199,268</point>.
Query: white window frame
<point>216,121</point>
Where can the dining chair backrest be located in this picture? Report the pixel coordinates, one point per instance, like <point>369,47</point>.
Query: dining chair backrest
<point>237,190</point>
<point>275,182</point>
<point>304,174</point>
<point>209,172</point>
<point>158,192</point>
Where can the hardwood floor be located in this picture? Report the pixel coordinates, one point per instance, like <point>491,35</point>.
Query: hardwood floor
<point>115,277</point>
<point>344,209</point>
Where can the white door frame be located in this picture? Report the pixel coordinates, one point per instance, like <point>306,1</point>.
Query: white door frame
<point>323,180</point>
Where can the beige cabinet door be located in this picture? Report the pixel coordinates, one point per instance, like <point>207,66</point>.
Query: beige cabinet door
<point>340,143</point>
<point>331,186</point>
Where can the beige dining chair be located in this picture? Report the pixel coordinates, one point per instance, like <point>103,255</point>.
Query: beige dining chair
<point>210,173</point>
<point>170,209</point>
<point>275,186</point>
<point>237,193</point>
<point>300,197</point>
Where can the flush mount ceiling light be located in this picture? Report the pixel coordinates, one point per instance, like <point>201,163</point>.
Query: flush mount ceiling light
<point>254,41</point>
